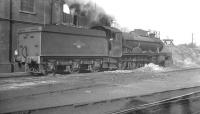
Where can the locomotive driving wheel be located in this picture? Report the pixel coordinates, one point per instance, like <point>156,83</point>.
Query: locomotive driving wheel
<point>94,68</point>
<point>122,65</point>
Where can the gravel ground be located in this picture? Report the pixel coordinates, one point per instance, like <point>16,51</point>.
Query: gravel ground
<point>22,93</point>
<point>108,78</point>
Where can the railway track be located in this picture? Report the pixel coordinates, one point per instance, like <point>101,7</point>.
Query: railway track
<point>176,105</point>
<point>102,100</point>
<point>14,75</point>
<point>184,69</point>
<point>23,74</point>
<point>182,101</point>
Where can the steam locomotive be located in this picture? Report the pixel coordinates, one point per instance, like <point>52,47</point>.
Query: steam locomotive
<point>59,48</point>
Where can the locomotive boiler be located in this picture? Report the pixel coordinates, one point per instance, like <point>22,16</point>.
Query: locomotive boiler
<point>58,49</point>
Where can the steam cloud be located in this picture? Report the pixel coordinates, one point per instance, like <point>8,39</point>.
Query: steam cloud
<point>94,14</point>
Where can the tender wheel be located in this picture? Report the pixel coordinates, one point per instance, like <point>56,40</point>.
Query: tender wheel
<point>43,70</point>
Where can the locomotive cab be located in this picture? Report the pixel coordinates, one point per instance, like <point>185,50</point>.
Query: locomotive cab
<point>114,37</point>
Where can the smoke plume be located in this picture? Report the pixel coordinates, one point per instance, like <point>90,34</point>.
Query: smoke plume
<point>95,15</point>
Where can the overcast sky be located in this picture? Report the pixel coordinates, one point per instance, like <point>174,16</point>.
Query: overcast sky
<point>175,19</point>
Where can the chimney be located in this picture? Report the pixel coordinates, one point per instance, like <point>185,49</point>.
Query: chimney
<point>57,12</point>
<point>75,19</point>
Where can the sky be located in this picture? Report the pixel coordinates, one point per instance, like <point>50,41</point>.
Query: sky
<point>175,19</point>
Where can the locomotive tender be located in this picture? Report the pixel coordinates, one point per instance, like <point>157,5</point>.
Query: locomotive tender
<point>58,48</point>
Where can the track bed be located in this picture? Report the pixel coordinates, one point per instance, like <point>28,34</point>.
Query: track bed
<point>99,93</point>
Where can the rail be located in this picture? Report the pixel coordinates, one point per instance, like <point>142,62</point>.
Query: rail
<point>196,95</point>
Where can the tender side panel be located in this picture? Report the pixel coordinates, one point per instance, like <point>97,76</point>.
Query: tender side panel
<point>57,44</point>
